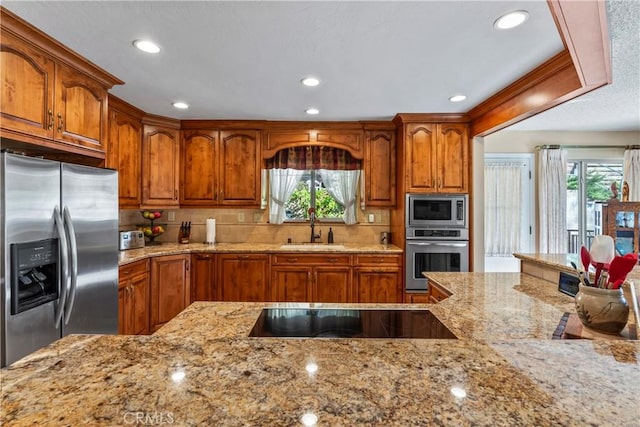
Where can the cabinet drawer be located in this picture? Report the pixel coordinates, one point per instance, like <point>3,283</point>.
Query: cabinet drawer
<point>437,294</point>
<point>378,260</point>
<point>317,259</point>
<point>129,270</point>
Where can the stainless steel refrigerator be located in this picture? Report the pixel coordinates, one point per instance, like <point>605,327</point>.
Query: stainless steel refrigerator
<point>59,252</point>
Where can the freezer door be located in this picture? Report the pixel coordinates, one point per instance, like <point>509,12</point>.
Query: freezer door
<point>30,194</point>
<point>90,210</point>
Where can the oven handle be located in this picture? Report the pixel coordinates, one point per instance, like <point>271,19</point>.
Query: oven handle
<point>455,245</point>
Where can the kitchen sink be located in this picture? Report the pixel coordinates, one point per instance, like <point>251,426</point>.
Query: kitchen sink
<point>312,246</point>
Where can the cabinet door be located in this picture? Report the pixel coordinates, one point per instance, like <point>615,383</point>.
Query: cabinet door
<point>139,306</point>
<point>169,288</point>
<point>453,158</point>
<point>26,97</point>
<point>80,109</point>
<point>198,186</point>
<point>420,161</point>
<point>378,285</point>
<point>125,142</point>
<point>423,298</point>
<point>243,277</point>
<point>203,278</point>
<point>331,284</point>
<point>380,168</point>
<point>160,177</point>
<point>291,284</point>
<point>123,308</point>
<point>239,166</point>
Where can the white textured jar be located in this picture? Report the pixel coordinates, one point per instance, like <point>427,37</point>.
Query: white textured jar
<point>604,310</point>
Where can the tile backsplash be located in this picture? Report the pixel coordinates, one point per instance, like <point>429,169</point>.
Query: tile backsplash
<point>251,225</point>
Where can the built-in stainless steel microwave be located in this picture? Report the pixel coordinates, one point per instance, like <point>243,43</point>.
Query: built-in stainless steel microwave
<point>437,210</point>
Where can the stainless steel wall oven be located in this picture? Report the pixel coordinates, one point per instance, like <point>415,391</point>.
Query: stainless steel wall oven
<point>436,248</point>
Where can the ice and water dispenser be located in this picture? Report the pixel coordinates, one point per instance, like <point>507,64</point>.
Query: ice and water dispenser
<point>34,274</point>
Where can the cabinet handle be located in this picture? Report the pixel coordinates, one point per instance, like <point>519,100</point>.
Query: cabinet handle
<point>433,183</point>
<point>126,272</point>
<point>292,259</point>
<point>60,122</point>
<point>309,276</point>
<point>50,120</point>
<point>187,266</point>
<point>333,259</point>
<point>221,195</point>
<point>175,194</point>
<point>243,256</point>
<point>439,182</point>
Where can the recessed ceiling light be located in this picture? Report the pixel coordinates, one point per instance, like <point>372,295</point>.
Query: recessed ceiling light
<point>312,111</point>
<point>147,46</point>
<point>310,81</point>
<point>511,20</point>
<point>181,105</point>
<point>457,98</point>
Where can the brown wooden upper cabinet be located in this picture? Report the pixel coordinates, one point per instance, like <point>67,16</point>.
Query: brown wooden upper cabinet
<point>380,168</point>
<point>125,143</point>
<point>44,101</point>
<point>436,158</point>
<point>220,168</point>
<point>160,165</point>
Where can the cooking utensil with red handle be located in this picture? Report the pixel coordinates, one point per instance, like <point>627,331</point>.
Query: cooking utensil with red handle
<point>620,267</point>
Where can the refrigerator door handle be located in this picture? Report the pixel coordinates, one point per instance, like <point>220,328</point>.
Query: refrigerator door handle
<point>64,255</point>
<point>74,263</point>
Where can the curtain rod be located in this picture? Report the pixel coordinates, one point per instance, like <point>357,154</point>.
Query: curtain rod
<point>556,147</point>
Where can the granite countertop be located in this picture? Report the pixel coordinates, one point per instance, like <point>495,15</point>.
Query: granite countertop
<point>563,262</point>
<point>176,248</point>
<point>202,369</point>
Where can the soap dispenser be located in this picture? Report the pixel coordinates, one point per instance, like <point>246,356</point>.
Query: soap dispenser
<point>330,236</point>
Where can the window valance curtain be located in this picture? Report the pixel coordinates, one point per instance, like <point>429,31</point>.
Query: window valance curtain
<point>313,157</point>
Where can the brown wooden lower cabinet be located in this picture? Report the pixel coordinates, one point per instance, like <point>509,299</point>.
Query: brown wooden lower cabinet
<point>243,277</point>
<point>170,288</point>
<point>311,278</point>
<point>436,294</point>
<point>133,298</point>
<point>203,277</point>
<point>378,285</point>
<point>417,298</point>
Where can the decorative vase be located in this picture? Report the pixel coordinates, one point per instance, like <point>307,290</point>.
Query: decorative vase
<point>604,310</point>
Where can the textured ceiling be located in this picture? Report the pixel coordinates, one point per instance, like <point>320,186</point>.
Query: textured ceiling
<point>244,60</point>
<point>612,107</point>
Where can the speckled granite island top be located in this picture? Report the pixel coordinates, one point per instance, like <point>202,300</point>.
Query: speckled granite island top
<point>176,248</point>
<point>202,369</point>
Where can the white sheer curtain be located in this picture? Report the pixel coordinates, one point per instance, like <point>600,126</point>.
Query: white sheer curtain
<point>631,173</point>
<point>283,183</point>
<point>502,208</point>
<point>343,186</point>
<point>552,200</point>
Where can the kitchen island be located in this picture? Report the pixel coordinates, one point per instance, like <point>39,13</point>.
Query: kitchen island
<point>202,369</point>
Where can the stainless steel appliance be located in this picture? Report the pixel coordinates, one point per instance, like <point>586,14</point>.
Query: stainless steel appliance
<point>59,265</point>
<point>437,236</point>
<point>131,240</point>
<point>437,210</point>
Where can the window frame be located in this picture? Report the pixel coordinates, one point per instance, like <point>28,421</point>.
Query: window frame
<point>312,203</point>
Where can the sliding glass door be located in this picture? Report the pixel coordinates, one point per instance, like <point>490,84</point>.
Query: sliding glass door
<point>588,182</point>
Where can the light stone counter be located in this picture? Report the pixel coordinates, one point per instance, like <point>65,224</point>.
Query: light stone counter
<point>202,369</point>
<point>562,262</point>
<point>176,248</point>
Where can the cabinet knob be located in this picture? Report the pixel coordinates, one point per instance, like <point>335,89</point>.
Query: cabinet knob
<point>50,120</point>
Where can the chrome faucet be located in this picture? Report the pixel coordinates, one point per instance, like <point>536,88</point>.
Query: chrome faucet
<point>312,223</point>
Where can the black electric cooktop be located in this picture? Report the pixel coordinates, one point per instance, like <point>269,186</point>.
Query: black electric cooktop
<point>344,323</point>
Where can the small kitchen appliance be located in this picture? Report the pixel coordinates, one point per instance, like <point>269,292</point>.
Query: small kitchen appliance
<point>131,240</point>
